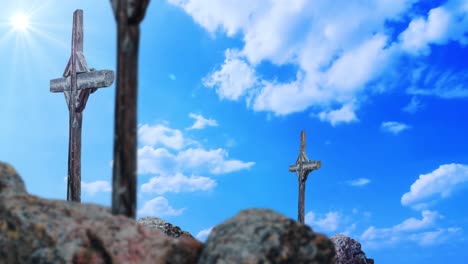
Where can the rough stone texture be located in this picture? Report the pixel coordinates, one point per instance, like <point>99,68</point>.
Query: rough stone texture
<point>348,251</point>
<point>264,236</point>
<point>169,229</point>
<point>34,230</point>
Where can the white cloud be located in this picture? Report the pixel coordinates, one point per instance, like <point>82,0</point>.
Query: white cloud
<point>439,236</point>
<point>443,24</point>
<point>413,106</point>
<point>201,122</point>
<point>412,224</point>
<point>338,48</point>
<point>446,84</point>
<point>394,127</point>
<point>350,72</point>
<point>439,184</point>
<point>328,223</point>
<point>155,160</point>
<point>178,183</point>
<point>344,115</point>
<point>359,182</point>
<point>160,134</point>
<point>159,207</point>
<point>199,160</point>
<point>182,159</point>
<point>91,188</point>
<point>213,160</point>
<point>408,230</point>
<point>421,32</point>
<point>203,234</point>
<point>234,78</point>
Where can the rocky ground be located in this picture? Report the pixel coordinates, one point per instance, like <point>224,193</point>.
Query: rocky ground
<point>35,230</point>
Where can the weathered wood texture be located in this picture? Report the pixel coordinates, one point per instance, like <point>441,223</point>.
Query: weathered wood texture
<point>302,168</point>
<point>78,83</point>
<point>128,15</point>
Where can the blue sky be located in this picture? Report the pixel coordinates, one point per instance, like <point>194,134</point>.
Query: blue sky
<point>226,87</point>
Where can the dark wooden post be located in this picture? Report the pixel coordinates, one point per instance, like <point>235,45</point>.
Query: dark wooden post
<point>302,168</point>
<point>78,83</point>
<point>128,14</point>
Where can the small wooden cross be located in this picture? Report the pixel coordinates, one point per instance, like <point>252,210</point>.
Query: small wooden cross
<point>78,83</point>
<point>302,168</point>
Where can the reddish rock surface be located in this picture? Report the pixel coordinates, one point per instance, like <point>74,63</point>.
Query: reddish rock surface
<point>35,230</point>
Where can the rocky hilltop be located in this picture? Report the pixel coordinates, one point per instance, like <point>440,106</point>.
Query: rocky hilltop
<point>35,230</point>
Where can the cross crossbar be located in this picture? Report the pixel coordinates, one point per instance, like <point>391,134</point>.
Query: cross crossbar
<point>87,80</point>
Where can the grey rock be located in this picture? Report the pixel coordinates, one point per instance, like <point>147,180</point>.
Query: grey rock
<point>264,236</point>
<point>161,225</point>
<point>348,251</point>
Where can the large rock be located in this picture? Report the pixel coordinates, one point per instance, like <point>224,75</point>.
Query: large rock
<point>264,236</point>
<point>34,230</point>
<point>161,225</point>
<point>348,251</point>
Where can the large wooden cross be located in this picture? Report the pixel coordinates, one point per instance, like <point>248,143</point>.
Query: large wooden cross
<point>302,168</point>
<point>78,83</point>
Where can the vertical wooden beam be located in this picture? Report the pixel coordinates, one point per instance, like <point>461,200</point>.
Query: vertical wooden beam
<point>128,14</point>
<point>74,160</point>
<point>300,209</point>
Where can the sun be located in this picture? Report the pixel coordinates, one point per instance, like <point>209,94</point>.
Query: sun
<point>20,22</point>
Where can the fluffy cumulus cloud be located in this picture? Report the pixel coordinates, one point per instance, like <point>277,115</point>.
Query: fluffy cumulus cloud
<point>178,183</point>
<point>201,122</point>
<point>329,223</point>
<point>420,231</point>
<point>215,161</point>
<point>343,115</point>
<point>200,160</point>
<point>394,127</point>
<point>170,156</point>
<point>91,188</point>
<point>203,234</point>
<point>160,207</point>
<point>438,184</point>
<point>161,134</point>
<point>338,48</point>
<point>442,24</point>
<point>427,230</point>
<point>234,78</point>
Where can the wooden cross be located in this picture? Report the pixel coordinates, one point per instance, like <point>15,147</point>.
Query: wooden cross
<point>128,15</point>
<point>78,83</point>
<point>302,168</point>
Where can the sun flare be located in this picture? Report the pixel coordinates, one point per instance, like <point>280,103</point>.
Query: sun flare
<point>20,22</point>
